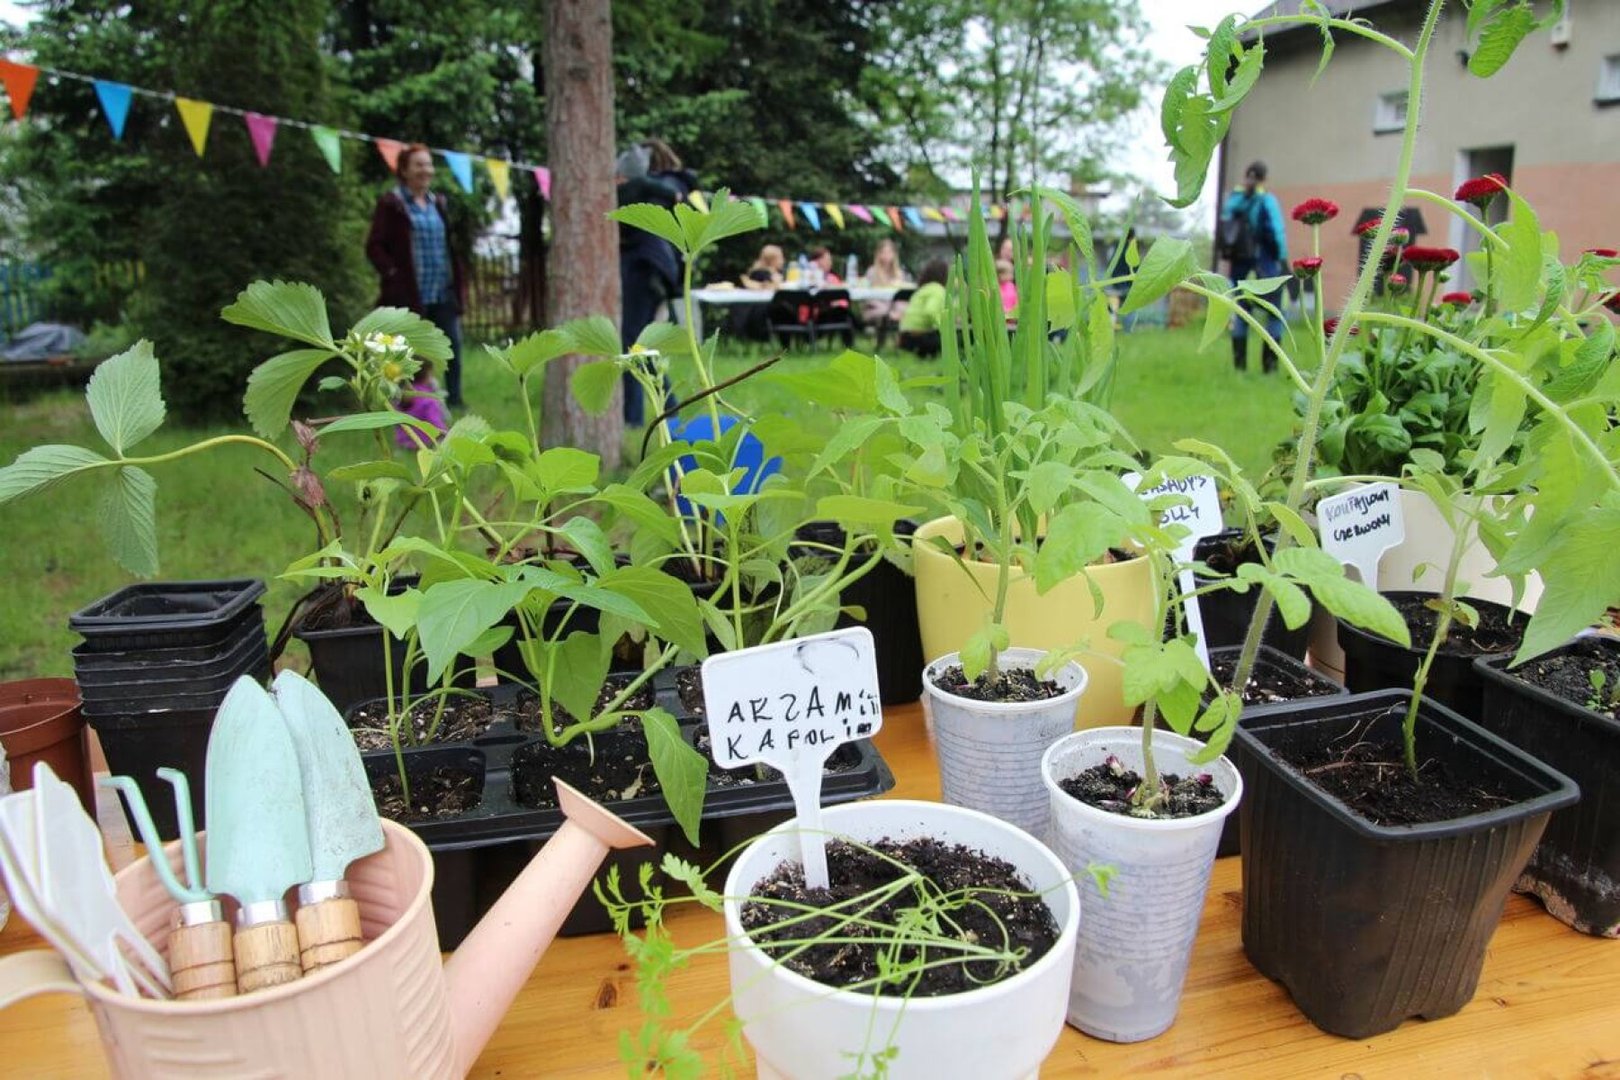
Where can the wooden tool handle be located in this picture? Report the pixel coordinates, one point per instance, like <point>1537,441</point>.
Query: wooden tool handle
<point>328,931</point>
<point>266,955</point>
<point>202,965</point>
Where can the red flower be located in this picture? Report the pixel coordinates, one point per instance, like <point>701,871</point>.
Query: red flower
<point>1396,282</point>
<point>1481,189</point>
<point>1604,253</point>
<point>1316,211</point>
<point>1368,227</point>
<point>1307,268</point>
<point>1457,299</point>
<point>1330,325</point>
<point>1429,258</point>
<point>1613,303</point>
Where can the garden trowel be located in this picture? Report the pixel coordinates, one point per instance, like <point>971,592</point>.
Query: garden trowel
<point>257,844</point>
<point>341,816</point>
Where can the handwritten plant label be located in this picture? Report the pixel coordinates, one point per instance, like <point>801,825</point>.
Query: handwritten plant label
<point>1359,525</point>
<point>1202,517</point>
<point>790,704</point>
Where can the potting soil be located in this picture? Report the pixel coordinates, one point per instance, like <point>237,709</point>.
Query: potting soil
<point>1110,785</point>
<point>1494,634</point>
<point>465,717</point>
<point>1268,684</point>
<point>1012,684</point>
<point>435,796</point>
<point>1569,674</point>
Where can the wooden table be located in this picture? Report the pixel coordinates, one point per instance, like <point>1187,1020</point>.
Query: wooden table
<point>730,297</point>
<point>1548,1003</point>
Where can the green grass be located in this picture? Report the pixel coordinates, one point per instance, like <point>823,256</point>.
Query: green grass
<point>217,519</point>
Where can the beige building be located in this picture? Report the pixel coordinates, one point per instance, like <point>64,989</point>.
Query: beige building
<point>1549,121</point>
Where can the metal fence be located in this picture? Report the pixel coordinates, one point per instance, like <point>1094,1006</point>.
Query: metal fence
<point>26,295</point>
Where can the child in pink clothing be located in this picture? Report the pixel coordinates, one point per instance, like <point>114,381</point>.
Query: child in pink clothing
<point>1009,289</point>
<point>424,402</point>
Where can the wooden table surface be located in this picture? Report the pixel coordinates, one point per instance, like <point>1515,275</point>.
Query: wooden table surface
<point>1548,1003</point>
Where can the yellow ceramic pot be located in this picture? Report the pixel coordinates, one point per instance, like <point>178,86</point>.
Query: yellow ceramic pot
<point>951,607</point>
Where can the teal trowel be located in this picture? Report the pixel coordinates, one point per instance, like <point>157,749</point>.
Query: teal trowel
<point>341,817</point>
<point>258,846</point>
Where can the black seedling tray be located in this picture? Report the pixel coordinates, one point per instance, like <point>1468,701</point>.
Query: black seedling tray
<point>167,614</point>
<point>93,665</point>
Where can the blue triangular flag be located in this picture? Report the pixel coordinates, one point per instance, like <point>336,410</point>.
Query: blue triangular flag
<point>460,167</point>
<point>811,214</point>
<point>115,103</point>
<point>913,218</point>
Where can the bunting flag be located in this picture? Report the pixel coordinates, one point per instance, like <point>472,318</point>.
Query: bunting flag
<point>894,218</point>
<point>835,213</point>
<point>949,214</point>
<point>861,212</point>
<point>913,217</point>
<point>196,116</point>
<point>758,204</point>
<point>500,174</point>
<point>997,212</point>
<point>326,141</point>
<point>460,167</point>
<point>389,149</point>
<point>811,214</point>
<point>931,213</point>
<point>262,130</point>
<point>787,212</point>
<point>542,176</point>
<point>695,197</point>
<point>19,82</point>
<point>115,103</point>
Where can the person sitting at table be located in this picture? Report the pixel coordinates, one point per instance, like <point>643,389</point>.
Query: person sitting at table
<point>822,258</point>
<point>766,273</point>
<point>920,325</point>
<point>884,273</point>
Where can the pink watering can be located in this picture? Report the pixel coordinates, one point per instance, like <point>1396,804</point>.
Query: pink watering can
<point>392,1010</point>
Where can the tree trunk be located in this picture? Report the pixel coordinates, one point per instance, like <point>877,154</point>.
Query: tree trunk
<point>579,143</point>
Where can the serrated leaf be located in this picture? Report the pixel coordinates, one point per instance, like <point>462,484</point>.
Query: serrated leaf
<point>654,219</point>
<point>593,385</point>
<point>43,467</point>
<point>682,772</point>
<point>1519,271</point>
<point>273,388</point>
<point>1501,35</point>
<point>1581,576</point>
<point>128,520</point>
<point>1169,262</point>
<point>453,613</point>
<point>691,875</point>
<point>1587,365</point>
<point>1361,606</point>
<point>424,338</point>
<point>594,335</point>
<point>728,218</point>
<point>1291,523</point>
<point>125,399</point>
<point>566,468</point>
<point>290,308</point>
<point>1076,537</point>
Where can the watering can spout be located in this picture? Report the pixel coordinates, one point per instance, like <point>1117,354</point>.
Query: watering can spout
<point>495,960</point>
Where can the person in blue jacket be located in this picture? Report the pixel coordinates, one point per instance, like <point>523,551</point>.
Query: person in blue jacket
<point>1254,241</point>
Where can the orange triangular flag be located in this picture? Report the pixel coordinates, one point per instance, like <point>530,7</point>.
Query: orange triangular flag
<point>19,80</point>
<point>894,216</point>
<point>389,149</point>
<point>500,175</point>
<point>195,115</point>
<point>787,211</point>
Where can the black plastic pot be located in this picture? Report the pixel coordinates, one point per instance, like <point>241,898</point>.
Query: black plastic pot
<point>477,854</point>
<point>559,622</point>
<point>1227,614</point>
<point>167,615</point>
<point>137,744</point>
<point>349,668</point>
<point>888,595</point>
<point>1367,925</point>
<point>1375,663</point>
<point>1275,660</point>
<point>1575,870</point>
<point>187,664</point>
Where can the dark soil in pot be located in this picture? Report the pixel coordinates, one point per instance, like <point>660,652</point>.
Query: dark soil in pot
<point>1010,685</point>
<point>1567,673</point>
<point>1496,633</point>
<point>1270,684</point>
<point>465,717</point>
<point>610,766</point>
<point>528,705</point>
<point>437,794</point>
<point>1021,921</point>
<point>1109,786</point>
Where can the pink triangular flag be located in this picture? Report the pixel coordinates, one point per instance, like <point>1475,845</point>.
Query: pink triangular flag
<point>861,212</point>
<point>262,129</point>
<point>542,176</point>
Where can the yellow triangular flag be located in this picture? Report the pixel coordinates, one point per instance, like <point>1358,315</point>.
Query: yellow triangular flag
<point>834,212</point>
<point>932,213</point>
<point>695,197</point>
<point>196,115</point>
<point>500,174</point>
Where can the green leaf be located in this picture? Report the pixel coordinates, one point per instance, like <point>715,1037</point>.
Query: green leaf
<point>667,601</point>
<point>726,218</point>
<point>1291,523</point>
<point>372,420</point>
<point>1507,405</point>
<point>128,521</point>
<point>1149,671</point>
<point>1587,365</point>
<point>682,772</point>
<point>578,673</point>
<point>289,308</point>
<point>1046,483</point>
<point>594,335</point>
<point>538,349</point>
<point>1518,273</point>
<point>1292,603</point>
<point>43,467</point>
<point>1075,216</point>
<point>1169,262</point>
<point>1581,575</point>
<point>639,509</point>
<point>1361,606</point>
<point>565,468</point>
<point>397,612</point>
<point>454,613</point>
<point>1077,536</point>
<point>424,338</point>
<point>652,218</point>
<point>859,510</point>
<point>125,399</point>
<point>690,875</point>
<point>593,385</point>
<point>1500,37</point>
<point>273,388</point>
<point>590,541</point>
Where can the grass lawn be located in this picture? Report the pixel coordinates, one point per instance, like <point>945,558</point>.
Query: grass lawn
<point>216,519</point>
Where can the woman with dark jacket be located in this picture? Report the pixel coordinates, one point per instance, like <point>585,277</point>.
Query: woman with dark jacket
<point>409,244</point>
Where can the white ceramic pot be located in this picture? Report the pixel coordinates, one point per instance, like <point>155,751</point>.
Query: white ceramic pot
<point>1428,545</point>
<point>1131,961</point>
<point>804,1030</point>
<point>990,751</point>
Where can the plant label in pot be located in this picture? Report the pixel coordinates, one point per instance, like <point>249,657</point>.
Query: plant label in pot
<point>1359,525</point>
<point>790,704</point>
<point>1200,515</point>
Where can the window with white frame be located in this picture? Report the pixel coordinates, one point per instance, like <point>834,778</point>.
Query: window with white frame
<point>1390,113</point>
<point>1608,89</point>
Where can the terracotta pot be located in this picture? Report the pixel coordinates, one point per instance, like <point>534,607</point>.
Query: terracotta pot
<point>40,721</point>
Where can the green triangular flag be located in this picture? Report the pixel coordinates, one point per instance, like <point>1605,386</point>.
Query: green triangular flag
<point>331,148</point>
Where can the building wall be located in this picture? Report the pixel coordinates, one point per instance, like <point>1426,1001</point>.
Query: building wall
<point>1318,139</point>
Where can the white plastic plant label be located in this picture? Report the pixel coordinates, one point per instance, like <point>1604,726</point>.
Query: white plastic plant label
<point>1202,517</point>
<point>1358,526</point>
<point>790,705</point>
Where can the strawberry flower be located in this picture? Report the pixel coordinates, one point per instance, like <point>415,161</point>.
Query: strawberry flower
<point>1316,211</point>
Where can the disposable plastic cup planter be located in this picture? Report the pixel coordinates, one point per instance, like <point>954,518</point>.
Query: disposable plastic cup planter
<point>1131,959</point>
<point>990,751</point>
<point>802,1029</point>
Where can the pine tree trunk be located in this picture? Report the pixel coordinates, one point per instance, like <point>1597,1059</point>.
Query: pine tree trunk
<point>585,244</point>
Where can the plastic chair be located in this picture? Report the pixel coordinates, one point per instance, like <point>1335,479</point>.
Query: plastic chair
<point>831,313</point>
<point>782,313</point>
<point>890,323</point>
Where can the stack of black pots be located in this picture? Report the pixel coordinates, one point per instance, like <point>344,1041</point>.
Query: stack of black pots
<point>157,660</point>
